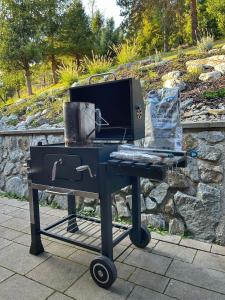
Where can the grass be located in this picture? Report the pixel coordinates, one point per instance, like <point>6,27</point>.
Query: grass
<point>214,94</point>
<point>97,64</point>
<point>12,196</point>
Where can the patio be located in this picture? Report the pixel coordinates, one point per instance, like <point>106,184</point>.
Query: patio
<point>169,268</point>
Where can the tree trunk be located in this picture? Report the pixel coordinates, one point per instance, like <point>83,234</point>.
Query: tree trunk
<point>194,20</point>
<point>18,92</point>
<point>165,42</point>
<point>54,69</point>
<point>28,80</point>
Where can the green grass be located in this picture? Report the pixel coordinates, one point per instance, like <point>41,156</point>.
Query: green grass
<point>12,196</point>
<point>214,94</point>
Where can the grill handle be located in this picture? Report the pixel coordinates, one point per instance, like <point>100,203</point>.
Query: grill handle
<point>85,168</point>
<point>102,75</point>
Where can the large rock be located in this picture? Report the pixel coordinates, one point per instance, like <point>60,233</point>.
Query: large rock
<point>201,213</point>
<point>176,226</point>
<point>220,231</point>
<point>210,173</point>
<point>220,68</point>
<point>211,153</point>
<point>210,76</point>
<point>156,221</point>
<point>212,137</point>
<point>169,208</point>
<point>15,185</point>
<point>129,202</point>
<point>171,75</point>
<point>122,209</point>
<point>8,168</point>
<point>177,180</point>
<point>175,83</point>
<point>160,192</point>
<point>147,187</point>
<point>190,141</point>
<point>192,170</point>
<point>150,204</point>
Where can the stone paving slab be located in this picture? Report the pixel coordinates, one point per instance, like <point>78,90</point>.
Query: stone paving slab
<point>195,244</point>
<point>25,239</point>
<point>85,289</point>
<point>16,257</point>
<point>149,280</point>
<point>57,273</point>
<point>174,239</point>
<point>202,277</point>
<point>21,288</point>
<point>60,249</point>
<point>175,251</point>
<point>140,293</point>
<point>15,223</point>
<point>59,296</point>
<point>4,243</point>
<point>9,234</point>
<point>148,261</point>
<point>184,291</point>
<point>4,274</point>
<point>210,260</point>
<point>218,249</point>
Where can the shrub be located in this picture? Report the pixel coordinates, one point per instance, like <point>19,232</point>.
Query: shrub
<point>195,69</point>
<point>157,57</point>
<point>193,74</point>
<point>214,94</point>
<point>126,52</point>
<point>69,72</point>
<point>180,53</point>
<point>152,75</point>
<point>97,63</point>
<point>205,43</point>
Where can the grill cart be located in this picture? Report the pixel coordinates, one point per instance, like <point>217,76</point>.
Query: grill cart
<point>98,118</point>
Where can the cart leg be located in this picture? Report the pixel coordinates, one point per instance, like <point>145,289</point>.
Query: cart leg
<point>72,223</point>
<point>136,209</point>
<point>36,244</point>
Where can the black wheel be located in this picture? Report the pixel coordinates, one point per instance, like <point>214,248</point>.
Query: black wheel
<point>103,271</point>
<point>144,240</point>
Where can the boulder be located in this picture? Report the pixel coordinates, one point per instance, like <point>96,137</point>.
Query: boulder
<point>223,47</point>
<point>176,226</point>
<point>88,209</point>
<point>214,51</point>
<point>156,221</point>
<point>210,173</point>
<point>89,202</point>
<point>190,142</point>
<point>15,185</point>
<point>169,208</point>
<point>150,204</point>
<point>220,68</point>
<point>220,231</point>
<point>210,76</point>
<point>129,202</point>
<point>147,187</point>
<point>212,137</point>
<point>160,192</point>
<point>177,180</point>
<point>52,139</point>
<point>192,170</point>
<point>210,153</point>
<point>8,168</point>
<point>171,75</point>
<point>186,103</point>
<point>122,209</point>
<point>201,213</point>
<point>60,201</point>
<point>175,83</point>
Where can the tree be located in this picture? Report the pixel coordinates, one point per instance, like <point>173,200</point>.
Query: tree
<point>20,36</point>
<point>76,35</point>
<point>194,20</point>
<point>216,8</point>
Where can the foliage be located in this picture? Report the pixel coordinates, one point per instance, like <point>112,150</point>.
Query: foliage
<point>127,52</point>
<point>193,74</point>
<point>214,94</point>
<point>205,43</point>
<point>216,8</point>
<point>152,75</point>
<point>180,53</point>
<point>69,73</point>
<point>97,63</point>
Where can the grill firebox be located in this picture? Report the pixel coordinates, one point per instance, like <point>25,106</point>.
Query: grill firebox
<point>87,170</point>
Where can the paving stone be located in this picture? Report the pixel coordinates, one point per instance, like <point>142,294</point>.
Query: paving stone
<point>57,273</point>
<point>174,239</point>
<point>149,280</point>
<point>148,261</point>
<point>186,291</point>
<point>4,218</point>
<point>175,251</point>
<point>21,288</point>
<point>218,249</point>
<point>210,260</point>
<point>4,274</point>
<point>85,288</point>
<point>21,214</point>
<point>16,257</point>
<point>60,249</point>
<point>123,256</point>
<point>4,242</point>
<point>59,296</point>
<point>47,219</point>
<point>124,271</point>
<point>13,202</point>
<point>8,233</point>
<point>15,223</point>
<point>57,212</point>
<point>25,239</point>
<point>140,293</point>
<point>198,276</point>
<point>195,244</point>
<point>6,209</point>
<point>82,257</point>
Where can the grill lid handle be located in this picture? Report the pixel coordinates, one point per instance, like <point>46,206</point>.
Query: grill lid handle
<point>102,75</point>
<point>85,168</point>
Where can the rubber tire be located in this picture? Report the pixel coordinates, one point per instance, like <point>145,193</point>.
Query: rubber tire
<point>145,237</point>
<point>108,269</point>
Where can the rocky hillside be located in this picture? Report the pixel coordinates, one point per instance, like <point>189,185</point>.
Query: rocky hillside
<point>200,78</point>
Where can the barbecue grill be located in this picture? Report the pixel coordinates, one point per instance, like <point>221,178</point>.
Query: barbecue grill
<point>98,118</point>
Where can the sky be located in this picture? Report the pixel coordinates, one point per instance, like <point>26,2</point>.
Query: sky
<point>108,8</point>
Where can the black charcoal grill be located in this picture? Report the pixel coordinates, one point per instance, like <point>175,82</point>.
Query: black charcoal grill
<point>83,167</point>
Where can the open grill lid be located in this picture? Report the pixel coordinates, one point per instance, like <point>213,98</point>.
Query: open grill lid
<point>121,104</point>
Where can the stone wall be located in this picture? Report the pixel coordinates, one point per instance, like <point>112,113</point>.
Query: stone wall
<point>191,200</point>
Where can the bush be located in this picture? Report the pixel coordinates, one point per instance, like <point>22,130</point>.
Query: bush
<point>152,75</point>
<point>69,73</point>
<point>97,64</point>
<point>157,57</point>
<point>205,43</point>
<point>180,53</point>
<point>126,52</point>
<point>193,73</point>
<point>215,94</point>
